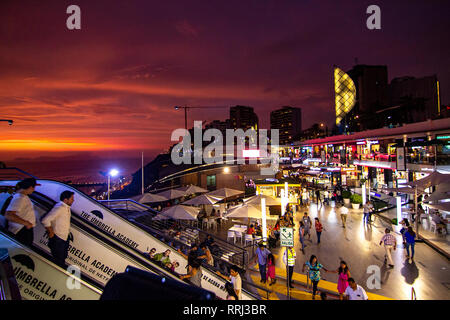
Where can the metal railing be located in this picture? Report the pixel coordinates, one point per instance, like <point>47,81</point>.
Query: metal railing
<point>14,174</point>
<point>142,216</point>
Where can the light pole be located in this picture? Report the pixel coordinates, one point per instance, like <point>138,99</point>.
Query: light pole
<point>112,173</point>
<point>10,122</point>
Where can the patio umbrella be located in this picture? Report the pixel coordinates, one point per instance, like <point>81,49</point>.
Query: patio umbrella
<point>244,211</point>
<point>178,212</point>
<point>192,189</point>
<point>407,190</point>
<point>149,198</point>
<point>225,192</point>
<point>202,199</point>
<point>247,211</point>
<point>172,194</point>
<point>444,206</point>
<point>256,200</point>
<point>438,196</point>
<point>432,179</point>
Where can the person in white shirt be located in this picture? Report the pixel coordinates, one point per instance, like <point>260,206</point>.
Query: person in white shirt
<point>235,279</point>
<point>355,291</point>
<point>20,212</point>
<point>57,223</point>
<point>344,213</point>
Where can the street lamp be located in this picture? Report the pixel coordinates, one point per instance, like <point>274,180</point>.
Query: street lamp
<point>10,122</point>
<point>111,173</point>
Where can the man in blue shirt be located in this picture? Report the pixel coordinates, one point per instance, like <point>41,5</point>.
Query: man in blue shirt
<point>262,254</point>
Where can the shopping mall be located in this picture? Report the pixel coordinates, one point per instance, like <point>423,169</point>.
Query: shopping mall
<point>387,157</point>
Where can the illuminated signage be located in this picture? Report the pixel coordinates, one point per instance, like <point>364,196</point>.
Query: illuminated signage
<point>443,137</point>
<point>360,142</point>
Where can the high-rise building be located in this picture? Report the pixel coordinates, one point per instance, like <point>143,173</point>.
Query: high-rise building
<point>288,120</point>
<point>420,95</point>
<point>219,125</point>
<point>243,117</point>
<point>371,87</point>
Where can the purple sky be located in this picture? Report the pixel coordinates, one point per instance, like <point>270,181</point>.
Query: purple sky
<point>112,85</point>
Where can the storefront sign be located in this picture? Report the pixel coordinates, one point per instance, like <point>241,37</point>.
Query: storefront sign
<point>287,237</point>
<point>401,161</point>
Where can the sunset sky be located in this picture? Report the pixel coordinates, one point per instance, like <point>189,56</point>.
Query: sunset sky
<point>112,85</point>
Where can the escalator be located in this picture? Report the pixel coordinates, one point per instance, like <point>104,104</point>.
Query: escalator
<point>96,256</point>
<point>40,279</point>
<point>109,225</point>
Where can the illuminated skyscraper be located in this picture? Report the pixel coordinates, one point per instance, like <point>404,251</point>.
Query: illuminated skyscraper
<point>345,94</point>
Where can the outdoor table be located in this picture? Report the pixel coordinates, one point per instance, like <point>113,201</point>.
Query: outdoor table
<point>239,229</point>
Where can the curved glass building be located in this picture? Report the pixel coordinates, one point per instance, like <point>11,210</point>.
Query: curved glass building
<point>345,94</point>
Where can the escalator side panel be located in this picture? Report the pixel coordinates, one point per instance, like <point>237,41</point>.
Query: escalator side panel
<point>94,259</point>
<point>39,279</point>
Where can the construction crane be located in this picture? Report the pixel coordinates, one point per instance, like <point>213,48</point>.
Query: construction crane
<point>194,107</point>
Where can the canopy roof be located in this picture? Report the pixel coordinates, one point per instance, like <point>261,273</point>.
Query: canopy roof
<point>202,199</point>
<point>149,198</point>
<point>178,212</point>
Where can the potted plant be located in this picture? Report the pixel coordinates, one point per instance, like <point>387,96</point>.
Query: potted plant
<point>356,200</point>
<point>346,196</point>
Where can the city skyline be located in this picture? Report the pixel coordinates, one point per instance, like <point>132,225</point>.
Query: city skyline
<point>112,85</point>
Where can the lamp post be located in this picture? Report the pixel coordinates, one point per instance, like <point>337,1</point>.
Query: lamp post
<point>10,122</point>
<point>112,173</point>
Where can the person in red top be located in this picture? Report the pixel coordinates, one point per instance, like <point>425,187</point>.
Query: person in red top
<point>319,229</point>
<point>251,230</point>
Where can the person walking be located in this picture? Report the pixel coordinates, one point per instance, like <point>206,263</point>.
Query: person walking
<point>367,209</point>
<point>304,197</point>
<point>262,253</point>
<point>344,213</point>
<point>405,225</point>
<point>307,223</point>
<point>301,233</point>
<point>410,236</point>
<point>319,229</point>
<point>355,291</point>
<point>318,199</point>
<point>20,212</point>
<point>57,223</point>
<point>289,260</point>
<point>389,243</point>
<point>271,269</point>
<point>325,197</point>
<point>314,272</point>
<point>344,274</point>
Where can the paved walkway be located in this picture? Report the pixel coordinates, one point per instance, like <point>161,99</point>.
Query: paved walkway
<point>442,241</point>
<point>358,245</point>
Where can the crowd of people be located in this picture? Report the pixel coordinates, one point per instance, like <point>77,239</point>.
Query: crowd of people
<point>346,285</point>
